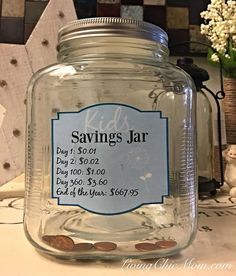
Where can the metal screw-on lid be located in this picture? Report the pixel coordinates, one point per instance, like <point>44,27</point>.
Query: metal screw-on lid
<point>112,27</point>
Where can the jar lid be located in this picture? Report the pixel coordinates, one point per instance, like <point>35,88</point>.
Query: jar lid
<point>112,27</point>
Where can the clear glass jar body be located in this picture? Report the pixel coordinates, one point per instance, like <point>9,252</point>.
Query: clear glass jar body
<point>204,138</point>
<point>126,71</point>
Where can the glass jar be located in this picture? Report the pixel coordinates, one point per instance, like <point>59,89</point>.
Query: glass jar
<point>205,142</point>
<point>207,184</point>
<point>109,173</point>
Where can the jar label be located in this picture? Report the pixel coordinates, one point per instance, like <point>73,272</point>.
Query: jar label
<point>110,158</point>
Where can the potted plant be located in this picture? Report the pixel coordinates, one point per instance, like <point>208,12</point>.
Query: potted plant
<point>220,28</point>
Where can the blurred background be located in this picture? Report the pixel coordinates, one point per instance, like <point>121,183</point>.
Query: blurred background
<point>179,18</point>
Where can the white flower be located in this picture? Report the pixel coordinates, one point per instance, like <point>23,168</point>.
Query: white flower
<point>215,58</point>
<point>220,25</point>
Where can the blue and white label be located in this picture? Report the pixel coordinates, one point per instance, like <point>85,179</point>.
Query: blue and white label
<point>110,158</point>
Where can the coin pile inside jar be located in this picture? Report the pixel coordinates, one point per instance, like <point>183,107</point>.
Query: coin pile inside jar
<point>65,243</point>
<point>162,244</point>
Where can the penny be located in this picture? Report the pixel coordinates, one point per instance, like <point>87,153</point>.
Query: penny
<point>83,246</point>
<point>105,246</point>
<point>60,242</point>
<point>146,246</point>
<point>166,244</point>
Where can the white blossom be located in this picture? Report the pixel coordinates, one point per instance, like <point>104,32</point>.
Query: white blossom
<point>215,58</point>
<point>220,26</point>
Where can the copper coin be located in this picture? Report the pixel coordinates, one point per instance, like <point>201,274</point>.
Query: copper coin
<point>83,246</point>
<point>166,244</point>
<point>146,246</point>
<point>60,242</point>
<point>105,246</point>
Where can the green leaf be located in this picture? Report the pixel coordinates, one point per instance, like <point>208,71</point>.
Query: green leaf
<point>228,64</point>
<point>232,52</point>
<point>209,55</point>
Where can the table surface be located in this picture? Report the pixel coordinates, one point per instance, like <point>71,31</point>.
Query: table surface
<point>213,252</point>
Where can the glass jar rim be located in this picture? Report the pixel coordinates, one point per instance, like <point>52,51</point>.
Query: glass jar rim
<point>112,27</point>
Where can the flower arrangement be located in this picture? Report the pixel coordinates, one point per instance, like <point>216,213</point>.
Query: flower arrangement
<point>220,28</point>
